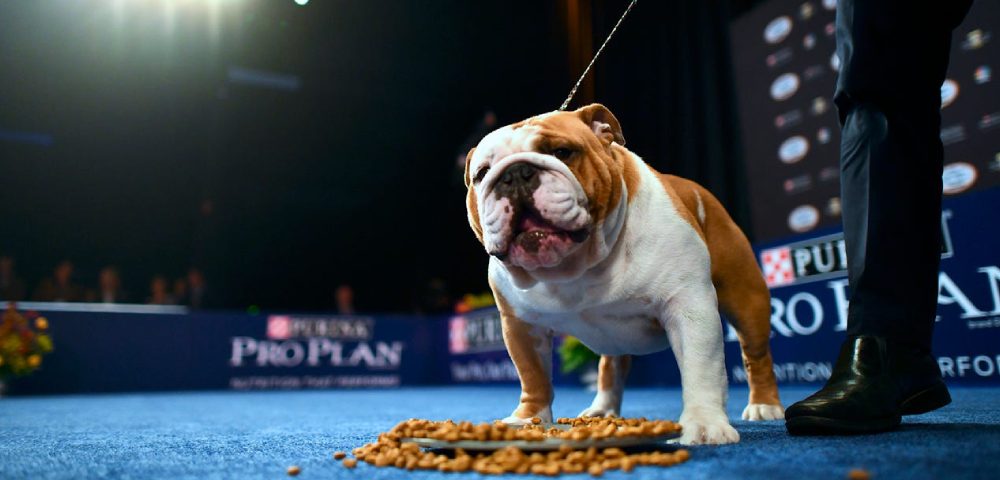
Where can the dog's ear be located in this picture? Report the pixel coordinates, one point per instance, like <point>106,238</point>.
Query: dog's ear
<point>602,122</point>
<point>468,160</point>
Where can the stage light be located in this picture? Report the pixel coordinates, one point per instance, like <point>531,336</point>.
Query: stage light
<point>301,2</point>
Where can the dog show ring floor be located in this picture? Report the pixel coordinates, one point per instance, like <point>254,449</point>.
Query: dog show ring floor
<point>205,435</point>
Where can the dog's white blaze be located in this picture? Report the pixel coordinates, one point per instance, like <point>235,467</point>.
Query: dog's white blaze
<point>500,143</point>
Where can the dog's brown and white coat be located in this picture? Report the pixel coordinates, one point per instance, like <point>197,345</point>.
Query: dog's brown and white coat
<point>586,239</point>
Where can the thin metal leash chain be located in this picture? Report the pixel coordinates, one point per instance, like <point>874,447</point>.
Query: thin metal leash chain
<point>599,50</point>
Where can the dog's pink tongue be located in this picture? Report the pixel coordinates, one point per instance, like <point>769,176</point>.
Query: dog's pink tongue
<point>531,222</point>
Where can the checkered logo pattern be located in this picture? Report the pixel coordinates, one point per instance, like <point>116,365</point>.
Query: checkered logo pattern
<point>777,266</point>
<point>279,327</point>
<point>458,339</point>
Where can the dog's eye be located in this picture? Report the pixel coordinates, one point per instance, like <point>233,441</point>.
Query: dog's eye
<point>562,153</point>
<point>480,174</point>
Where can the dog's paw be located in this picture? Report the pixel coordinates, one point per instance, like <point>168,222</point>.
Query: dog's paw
<point>605,404</point>
<point>520,417</point>
<point>702,428</point>
<point>763,411</point>
<point>599,411</point>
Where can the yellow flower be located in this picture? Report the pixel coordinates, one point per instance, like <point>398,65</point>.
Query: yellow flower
<point>44,343</point>
<point>41,323</point>
<point>34,361</point>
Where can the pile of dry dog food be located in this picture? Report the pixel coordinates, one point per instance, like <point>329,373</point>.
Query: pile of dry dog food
<point>391,449</point>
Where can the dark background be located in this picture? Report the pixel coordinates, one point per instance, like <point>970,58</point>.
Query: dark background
<point>122,140</point>
<point>973,119</point>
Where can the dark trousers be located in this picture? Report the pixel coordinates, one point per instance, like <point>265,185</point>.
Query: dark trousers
<point>894,56</point>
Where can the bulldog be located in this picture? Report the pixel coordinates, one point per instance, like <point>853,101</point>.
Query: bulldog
<point>587,239</point>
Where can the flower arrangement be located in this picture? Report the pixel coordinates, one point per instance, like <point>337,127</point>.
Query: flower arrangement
<point>472,301</point>
<point>21,346</point>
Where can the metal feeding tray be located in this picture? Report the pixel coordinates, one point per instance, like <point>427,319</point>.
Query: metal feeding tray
<point>549,444</point>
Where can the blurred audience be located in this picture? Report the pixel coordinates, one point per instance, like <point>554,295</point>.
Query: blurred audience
<point>159,294</point>
<point>344,296</point>
<point>434,297</point>
<point>197,291</point>
<point>180,290</point>
<point>191,290</point>
<point>59,287</point>
<point>11,285</point>
<point>109,287</point>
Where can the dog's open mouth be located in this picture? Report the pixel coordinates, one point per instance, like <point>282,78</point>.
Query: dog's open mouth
<point>538,243</point>
<point>531,230</point>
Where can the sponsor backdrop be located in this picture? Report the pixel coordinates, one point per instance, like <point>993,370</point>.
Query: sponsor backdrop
<point>106,352</point>
<point>786,70</point>
<point>808,280</point>
<point>115,352</point>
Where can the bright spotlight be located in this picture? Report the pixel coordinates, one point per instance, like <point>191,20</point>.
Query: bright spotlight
<point>301,2</point>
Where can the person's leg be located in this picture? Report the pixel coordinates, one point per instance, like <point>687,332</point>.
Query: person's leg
<point>894,59</point>
<point>894,56</point>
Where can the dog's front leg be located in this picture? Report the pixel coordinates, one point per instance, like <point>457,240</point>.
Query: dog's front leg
<point>694,328</point>
<point>530,348</point>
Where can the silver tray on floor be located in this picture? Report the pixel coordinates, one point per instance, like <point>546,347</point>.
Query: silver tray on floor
<point>548,444</point>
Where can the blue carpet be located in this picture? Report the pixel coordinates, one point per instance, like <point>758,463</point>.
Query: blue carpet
<point>206,435</point>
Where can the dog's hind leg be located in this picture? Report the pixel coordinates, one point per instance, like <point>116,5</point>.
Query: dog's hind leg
<point>611,373</point>
<point>743,296</point>
<point>746,302</point>
<point>750,315</point>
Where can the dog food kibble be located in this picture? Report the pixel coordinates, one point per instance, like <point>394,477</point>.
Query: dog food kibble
<point>339,455</point>
<point>294,470</point>
<point>858,474</point>
<point>391,451</point>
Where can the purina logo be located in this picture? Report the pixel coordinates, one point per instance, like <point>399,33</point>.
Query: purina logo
<point>476,332</point>
<point>294,341</point>
<point>282,327</point>
<point>820,258</point>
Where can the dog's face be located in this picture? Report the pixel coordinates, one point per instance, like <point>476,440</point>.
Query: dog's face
<point>540,191</point>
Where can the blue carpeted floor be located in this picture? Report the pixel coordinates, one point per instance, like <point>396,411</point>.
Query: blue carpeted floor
<point>257,435</point>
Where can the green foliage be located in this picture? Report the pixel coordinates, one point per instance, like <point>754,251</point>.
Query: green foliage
<point>44,343</point>
<point>575,355</point>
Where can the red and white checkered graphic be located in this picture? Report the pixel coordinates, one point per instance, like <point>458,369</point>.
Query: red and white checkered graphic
<point>458,340</point>
<point>279,327</point>
<point>777,266</point>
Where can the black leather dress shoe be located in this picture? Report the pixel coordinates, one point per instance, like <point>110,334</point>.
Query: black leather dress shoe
<point>872,385</point>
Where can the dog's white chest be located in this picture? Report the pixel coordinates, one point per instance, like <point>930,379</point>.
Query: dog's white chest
<point>623,327</point>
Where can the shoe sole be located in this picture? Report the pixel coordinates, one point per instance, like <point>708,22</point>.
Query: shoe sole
<point>808,425</point>
<point>926,400</point>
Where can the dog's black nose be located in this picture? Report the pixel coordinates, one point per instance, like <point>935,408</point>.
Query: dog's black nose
<point>521,172</point>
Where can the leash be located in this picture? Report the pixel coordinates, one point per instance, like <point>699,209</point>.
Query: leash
<point>599,50</point>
